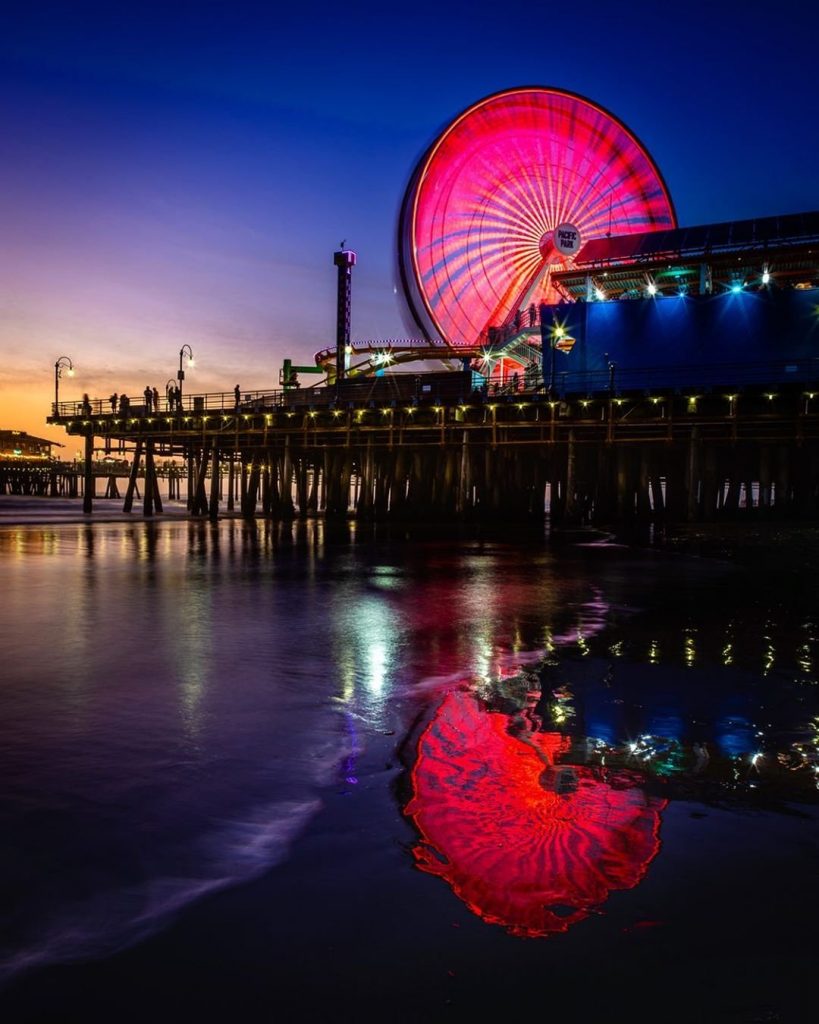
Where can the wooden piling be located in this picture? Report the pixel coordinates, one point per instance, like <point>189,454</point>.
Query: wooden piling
<point>88,479</point>
<point>132,479</point>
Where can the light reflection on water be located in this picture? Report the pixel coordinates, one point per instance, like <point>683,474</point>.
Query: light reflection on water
<point>176,694</point>
<point>526,839</point>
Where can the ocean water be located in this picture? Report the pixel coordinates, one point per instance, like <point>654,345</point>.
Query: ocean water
<point>548,743</point>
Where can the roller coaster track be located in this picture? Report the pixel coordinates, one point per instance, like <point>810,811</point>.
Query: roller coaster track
<point>368,357</point>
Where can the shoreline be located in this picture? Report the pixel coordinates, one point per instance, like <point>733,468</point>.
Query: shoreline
<point>772,544</point>
<point>732,540</point>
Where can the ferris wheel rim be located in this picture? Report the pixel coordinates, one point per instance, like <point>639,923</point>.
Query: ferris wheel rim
<point>409,270</point>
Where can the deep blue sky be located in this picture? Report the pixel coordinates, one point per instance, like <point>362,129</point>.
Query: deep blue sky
<point>183,172</point>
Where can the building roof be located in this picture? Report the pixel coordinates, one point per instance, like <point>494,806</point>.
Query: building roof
<point>764,233</point>
<point>9,436</point>
<point>706,258</point>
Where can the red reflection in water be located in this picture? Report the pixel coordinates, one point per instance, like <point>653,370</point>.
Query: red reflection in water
<point>525,842</point>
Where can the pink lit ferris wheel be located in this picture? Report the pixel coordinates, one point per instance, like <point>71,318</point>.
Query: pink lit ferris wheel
<point>508,194</point>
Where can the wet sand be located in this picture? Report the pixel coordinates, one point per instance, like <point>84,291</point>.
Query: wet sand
<point>347,930</point>
<point>721,929</point>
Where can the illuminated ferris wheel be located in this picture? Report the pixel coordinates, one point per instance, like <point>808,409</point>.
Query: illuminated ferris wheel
<point>506,196</point>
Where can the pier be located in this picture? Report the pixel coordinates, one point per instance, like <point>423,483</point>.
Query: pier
<point>397,451</point>
<point>684,390</point>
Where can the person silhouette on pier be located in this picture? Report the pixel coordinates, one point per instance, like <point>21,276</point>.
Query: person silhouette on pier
<point>237,395</point>
<point>86,405</point>
<point>155,395</point>
<point>113,400</point>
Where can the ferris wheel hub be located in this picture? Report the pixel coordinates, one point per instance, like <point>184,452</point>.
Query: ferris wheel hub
<point>567,239</point>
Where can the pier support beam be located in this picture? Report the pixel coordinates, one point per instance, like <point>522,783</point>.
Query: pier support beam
<point>88,485</point>
<point>231,481</point>
<point>132,479</point>
<point>151,501</point>
<point>215,480</point>
<point>200,501</point>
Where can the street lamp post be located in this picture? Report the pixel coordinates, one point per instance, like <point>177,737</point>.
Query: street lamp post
<point>63,363</point>
<point>181,374</point>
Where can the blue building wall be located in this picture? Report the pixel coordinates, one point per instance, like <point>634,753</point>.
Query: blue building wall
<point>769,336</point>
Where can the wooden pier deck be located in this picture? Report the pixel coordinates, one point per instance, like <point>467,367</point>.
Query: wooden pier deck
<point>597,458</point>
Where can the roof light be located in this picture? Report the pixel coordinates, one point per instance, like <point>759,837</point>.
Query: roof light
<point>766,276</point>
<point>599,294</point>
<point>652,288</point>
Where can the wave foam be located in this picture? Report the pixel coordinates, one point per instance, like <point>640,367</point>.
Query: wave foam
<point>236,852</point>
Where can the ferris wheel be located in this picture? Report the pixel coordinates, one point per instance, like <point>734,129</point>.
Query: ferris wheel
<point>506,195</point>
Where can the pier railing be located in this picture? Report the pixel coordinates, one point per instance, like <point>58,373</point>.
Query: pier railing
<point>215,401</point>
<point>576,380</point>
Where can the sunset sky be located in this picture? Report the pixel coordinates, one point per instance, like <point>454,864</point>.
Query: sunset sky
<point>182,172</point>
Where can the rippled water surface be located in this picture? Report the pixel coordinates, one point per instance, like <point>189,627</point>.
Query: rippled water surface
<point>579,745</point>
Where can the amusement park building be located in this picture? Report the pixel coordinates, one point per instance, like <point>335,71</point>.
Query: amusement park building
<point>671,373</point>
<point>536,211</point>
<point>17,444</point>
<point>718,304</point>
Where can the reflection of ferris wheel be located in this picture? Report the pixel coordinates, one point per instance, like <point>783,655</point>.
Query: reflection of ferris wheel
<point>506,195</point>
